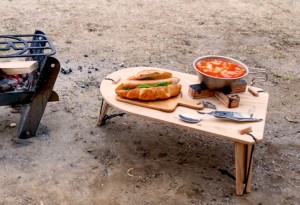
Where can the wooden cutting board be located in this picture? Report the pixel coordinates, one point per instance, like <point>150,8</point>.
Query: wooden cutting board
<point>168,105</point>
<point>18,67</point>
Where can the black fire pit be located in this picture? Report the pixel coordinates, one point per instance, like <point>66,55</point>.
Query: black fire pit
<point>36,87</point>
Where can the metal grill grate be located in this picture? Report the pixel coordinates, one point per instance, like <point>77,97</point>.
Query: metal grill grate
<point>38,90</point>
<point>26,45</point>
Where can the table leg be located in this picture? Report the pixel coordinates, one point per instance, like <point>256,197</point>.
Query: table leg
<point>103,110</point>
<point>243,167</point>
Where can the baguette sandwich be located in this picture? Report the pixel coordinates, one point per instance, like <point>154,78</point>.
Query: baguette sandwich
<point>150,85</point>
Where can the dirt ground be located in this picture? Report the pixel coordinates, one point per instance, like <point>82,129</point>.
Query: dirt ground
<point>72,161</point>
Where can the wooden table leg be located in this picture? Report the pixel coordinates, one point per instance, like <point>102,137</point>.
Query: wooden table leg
<point>103,110</point>
<point>243,167</point>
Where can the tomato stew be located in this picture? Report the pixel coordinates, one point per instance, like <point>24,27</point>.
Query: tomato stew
<point>220,68</point>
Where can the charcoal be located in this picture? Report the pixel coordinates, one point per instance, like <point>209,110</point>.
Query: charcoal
<point>12,82</point>
<point>66,70</point>
<point>8,83</point>
<point>4,86</point>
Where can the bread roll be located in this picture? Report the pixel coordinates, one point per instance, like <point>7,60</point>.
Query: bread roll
<point>150,85</point>
<point>135,83</point>
<point>151,75</point>
<point>153,93</point>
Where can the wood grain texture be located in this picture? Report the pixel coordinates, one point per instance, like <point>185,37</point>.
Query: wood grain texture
<point>210,125</point>
<point>18,67</point>
<point>168,105</point>
<point>243,164</point>
<point>240,157</point>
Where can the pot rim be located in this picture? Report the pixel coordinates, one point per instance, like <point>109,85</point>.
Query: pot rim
<point>224,58</point>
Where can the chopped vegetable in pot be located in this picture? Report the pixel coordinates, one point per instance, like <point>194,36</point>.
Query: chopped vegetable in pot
<point>220,68</point>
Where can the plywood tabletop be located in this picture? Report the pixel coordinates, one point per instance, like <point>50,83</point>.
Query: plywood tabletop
<point>209,126</point>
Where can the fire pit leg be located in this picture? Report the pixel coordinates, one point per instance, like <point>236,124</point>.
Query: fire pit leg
<point>32,113</point>
<point>103,110</point>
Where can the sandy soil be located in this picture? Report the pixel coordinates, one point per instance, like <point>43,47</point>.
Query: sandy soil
<point>72,161</point>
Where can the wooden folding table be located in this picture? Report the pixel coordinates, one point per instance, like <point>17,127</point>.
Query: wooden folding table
<point>209,126</point>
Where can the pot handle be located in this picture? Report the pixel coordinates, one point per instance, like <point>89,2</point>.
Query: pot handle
<point>261,77</point>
